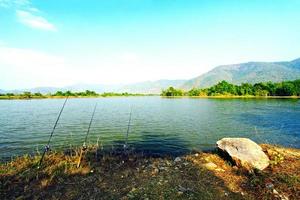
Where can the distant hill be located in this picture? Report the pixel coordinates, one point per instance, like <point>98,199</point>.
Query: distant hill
<point>151,87</point>
<point>43,90</point>
<point>251,72</point>
<point>147,87</point>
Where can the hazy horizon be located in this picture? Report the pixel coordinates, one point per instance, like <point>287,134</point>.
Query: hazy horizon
<point>58,43</point>
<point>124,84</point>
<point>93,84</point>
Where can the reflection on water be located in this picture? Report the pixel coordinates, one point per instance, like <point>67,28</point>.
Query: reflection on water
<point>158,126</point>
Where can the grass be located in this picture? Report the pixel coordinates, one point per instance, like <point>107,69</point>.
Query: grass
<point>129,175</point>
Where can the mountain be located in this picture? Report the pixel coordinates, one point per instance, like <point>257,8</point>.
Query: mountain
<point>99,88</point>
<point>151,87</point>
<point>147,87</point>
<point>43,90</point>
<point>251,72</point>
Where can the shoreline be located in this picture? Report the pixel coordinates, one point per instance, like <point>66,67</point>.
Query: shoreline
<point>152,95</point>
<point>235,97</point>
<point>63,97</point>
<point>127,175</point>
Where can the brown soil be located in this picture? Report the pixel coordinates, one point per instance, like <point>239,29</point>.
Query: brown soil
<point>116,175</point>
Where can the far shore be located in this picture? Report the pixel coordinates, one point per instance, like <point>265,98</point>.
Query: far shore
<point>235,97</point>
<point>19,97</point>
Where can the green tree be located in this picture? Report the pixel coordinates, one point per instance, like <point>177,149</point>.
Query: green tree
<point>68,93</point>
<point>27,95</point>
<point>59,93</point>
<point>90,93</point>
<point>297,87</point>
<point>38,94</point>
<point>172,92</point>
<point>286,89</point>
<point>222,88</point>
<point>194,92</point>
<point>261,92</point>
<point>247,89</point>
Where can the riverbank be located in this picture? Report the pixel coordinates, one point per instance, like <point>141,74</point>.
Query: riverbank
<point>235,97</point>
<point>20,97</point>
<point>119,175</point>
<point>143,95</point>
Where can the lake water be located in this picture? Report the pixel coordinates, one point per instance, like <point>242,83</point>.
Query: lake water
<point>158,125</point>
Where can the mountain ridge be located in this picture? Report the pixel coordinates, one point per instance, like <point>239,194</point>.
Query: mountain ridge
<point>249,72</point>
<point>145,87</point>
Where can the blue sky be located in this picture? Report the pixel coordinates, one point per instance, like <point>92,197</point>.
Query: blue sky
<point>63,42</point>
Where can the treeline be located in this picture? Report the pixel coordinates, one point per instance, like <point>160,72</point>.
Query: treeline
<point>24,95</point>
<point>87,93</point>
<point>223,88</point>
<point>112,94</point>
<point>75,94</point>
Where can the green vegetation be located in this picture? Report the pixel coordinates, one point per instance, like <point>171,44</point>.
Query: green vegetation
<point>172,92</point>
<point>61,94</point>
<point>112,94</point>
<point>223,88</point>
<point>24,95</point>
<point>87,93</point>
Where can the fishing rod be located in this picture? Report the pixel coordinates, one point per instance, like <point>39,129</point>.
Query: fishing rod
<point>84,147</point>
<point>47,146</point>
<point>128,127</point>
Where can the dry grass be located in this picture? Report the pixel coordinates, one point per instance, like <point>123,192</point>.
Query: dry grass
<point>127,175</point>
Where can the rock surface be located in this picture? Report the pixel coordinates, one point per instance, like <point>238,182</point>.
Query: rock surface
<point>177,159</point>
<point>244,152</point>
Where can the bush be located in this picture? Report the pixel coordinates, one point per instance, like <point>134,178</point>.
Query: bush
<point>286,88</point>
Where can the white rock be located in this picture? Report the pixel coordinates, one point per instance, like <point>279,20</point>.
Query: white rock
<point>177,159</point>
<point>244,152</point>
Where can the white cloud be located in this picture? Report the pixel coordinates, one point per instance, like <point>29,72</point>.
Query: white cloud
<point>15,3</point>
<point>27,14</point>
<point>34,21</point>
<point>27,57</point>
<point>32,9</point>
<point>22,2</point>
<point>28,68</point>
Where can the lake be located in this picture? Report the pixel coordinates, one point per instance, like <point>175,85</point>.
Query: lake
<point>158,126</point>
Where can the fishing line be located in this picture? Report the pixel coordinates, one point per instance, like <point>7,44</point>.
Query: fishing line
<point>84,146</point>
<point>88,131</point>
<point>47,146</point>
<point>128,127</point>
